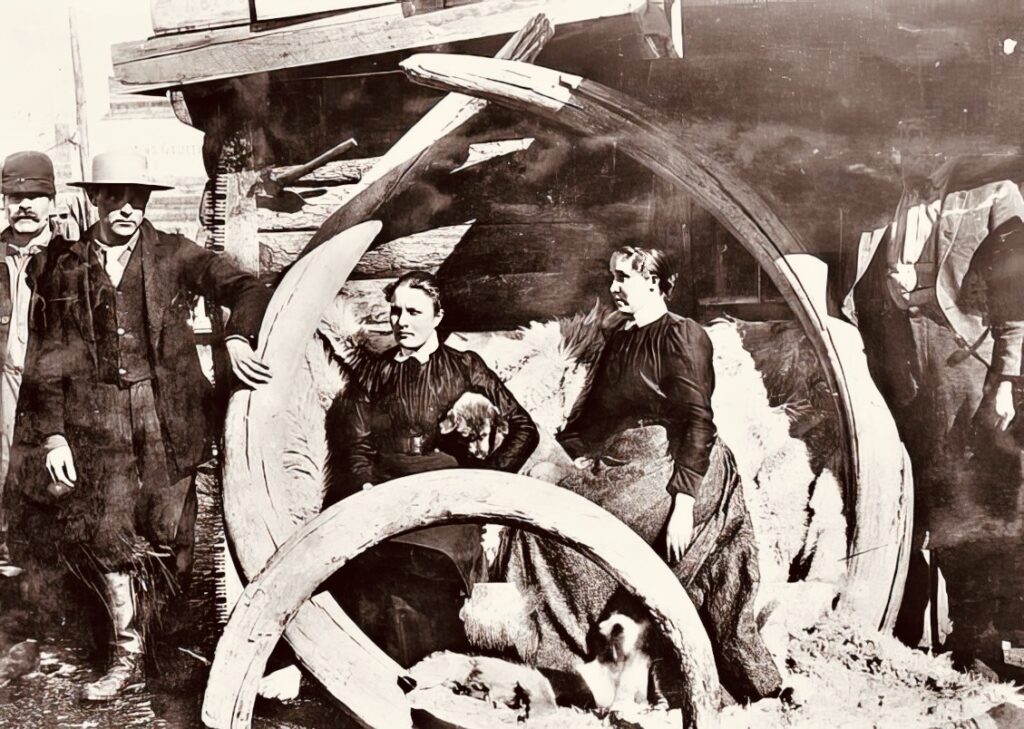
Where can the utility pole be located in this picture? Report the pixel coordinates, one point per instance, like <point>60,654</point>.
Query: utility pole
<point>81,116</point>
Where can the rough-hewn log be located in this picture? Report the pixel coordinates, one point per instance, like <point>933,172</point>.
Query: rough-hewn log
<point>357,523</point>
<point>318,204</point>
<point>423,251</point>
<point>256,514</point>
<point>240,216</point>
<point>339,172</point>
<point>589,108</point>
<point>398,167</point>
<point>308,168</point>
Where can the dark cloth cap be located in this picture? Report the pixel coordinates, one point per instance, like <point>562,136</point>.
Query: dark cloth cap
<point>28,172</point>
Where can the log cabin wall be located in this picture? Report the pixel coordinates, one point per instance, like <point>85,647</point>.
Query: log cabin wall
<point>517,219</point>
<point>827,109</point>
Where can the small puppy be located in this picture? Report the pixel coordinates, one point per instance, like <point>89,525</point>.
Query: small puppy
<point>619,674</point>
<point>478,424</point>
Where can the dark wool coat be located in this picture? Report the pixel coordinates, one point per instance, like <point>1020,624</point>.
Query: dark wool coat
<point>38,269</point>
<point>68,388</point>
<point>992,288</point>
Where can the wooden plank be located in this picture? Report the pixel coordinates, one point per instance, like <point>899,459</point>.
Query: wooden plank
<point>422,252</point>
<point>353,525</point>
<point>278,9</point>
<point>180,16</point>
<point>200,57</point>
<point>876,559</point>
<point>340,172</point>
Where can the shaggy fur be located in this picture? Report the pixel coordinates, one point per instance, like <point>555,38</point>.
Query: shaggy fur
<point>546,366</point>
<point>478,424</point>
<point>620,671</point>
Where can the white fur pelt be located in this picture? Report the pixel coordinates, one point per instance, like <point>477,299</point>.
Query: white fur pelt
<point>796,514</point>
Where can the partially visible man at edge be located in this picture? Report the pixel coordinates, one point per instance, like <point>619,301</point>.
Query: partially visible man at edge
<point>106,451</point>
<point>30,246</point>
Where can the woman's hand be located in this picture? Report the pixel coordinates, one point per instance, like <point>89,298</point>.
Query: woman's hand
<point>679,529</point>
<point>584,463</point>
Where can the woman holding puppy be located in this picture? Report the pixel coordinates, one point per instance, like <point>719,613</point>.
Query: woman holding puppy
<point>645,447</point>
<point>410,410</point>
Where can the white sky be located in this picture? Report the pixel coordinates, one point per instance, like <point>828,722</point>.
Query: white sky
<point>37,84</point>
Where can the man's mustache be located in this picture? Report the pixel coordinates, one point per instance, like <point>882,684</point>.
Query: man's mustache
<point>26,216</point>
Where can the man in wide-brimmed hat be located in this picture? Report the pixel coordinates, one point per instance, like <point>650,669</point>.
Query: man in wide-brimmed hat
<point>29,242</point>
<point>121,421</point>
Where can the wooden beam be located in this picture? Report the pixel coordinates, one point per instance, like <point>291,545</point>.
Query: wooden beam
<point>207,56</point>
<point>424,251</point>
<point>240,220</point>
<point>278,9</point>
<point>677,156</point>
<point>364,520</point>
<point>181,16</point>
<point>340,172</point>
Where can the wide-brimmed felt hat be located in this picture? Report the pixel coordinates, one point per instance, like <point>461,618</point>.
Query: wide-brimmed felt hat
<point>27,173</point>
<point>120,168</point>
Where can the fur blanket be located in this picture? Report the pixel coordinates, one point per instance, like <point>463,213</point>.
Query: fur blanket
<point>797,511</point>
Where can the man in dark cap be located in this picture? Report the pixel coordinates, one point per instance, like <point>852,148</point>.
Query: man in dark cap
<point>122,418</point>
<point>26,181</point>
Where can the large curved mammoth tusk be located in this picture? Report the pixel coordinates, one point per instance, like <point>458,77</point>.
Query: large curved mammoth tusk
<point>363,520</point>
<point>257,514</point>
<point>879,489</point>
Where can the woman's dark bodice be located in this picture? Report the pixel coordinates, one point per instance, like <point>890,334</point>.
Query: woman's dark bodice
<point>660,373</point>
<point>396,409</point>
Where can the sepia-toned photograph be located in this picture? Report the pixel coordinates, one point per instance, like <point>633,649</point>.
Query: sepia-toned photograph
<point>544,364</point>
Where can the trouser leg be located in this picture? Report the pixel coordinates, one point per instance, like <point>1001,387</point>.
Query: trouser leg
<point>126,663</point>
<point>185,538</point>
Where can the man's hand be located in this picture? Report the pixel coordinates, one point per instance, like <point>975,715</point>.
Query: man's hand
<point>679,529</point>
<point>584,463</point>
<point>61,466</point>
<point>1002,406</point>
<point>247,367</point>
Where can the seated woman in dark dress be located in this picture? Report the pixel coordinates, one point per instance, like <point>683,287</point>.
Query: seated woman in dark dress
<point>646,449</point>
<point>389,423</point>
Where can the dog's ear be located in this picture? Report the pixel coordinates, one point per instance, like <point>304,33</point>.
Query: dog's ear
<point>449,424</point>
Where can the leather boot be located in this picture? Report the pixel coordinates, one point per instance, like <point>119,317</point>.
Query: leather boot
<point>126,669</point>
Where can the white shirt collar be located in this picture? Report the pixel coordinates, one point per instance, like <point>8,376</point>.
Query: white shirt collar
<point>129,246</point>
<point>650,315</point>
<point>34,246</point>
<point>422,354</point>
